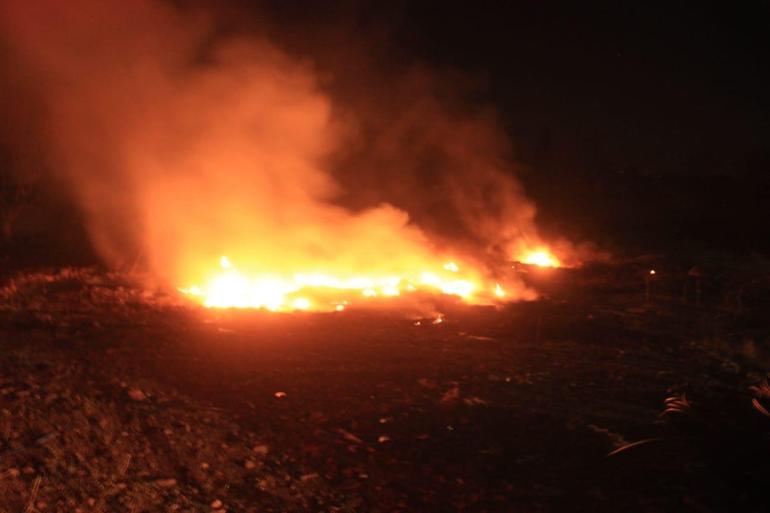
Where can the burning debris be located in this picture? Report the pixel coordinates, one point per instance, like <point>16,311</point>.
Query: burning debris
<point>183,143</point>
<point>230,288</point>
<point>541,258</point>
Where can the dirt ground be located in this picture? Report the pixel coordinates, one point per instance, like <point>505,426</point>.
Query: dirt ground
<point>114,398</point>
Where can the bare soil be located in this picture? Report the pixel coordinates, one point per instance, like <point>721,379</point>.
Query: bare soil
<point>114,398</point>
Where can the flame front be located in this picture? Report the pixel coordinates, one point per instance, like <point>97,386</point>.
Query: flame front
<point>228,287</point>
<point>540,258</point>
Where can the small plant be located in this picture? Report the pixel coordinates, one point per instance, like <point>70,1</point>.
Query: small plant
<point>730,426</point>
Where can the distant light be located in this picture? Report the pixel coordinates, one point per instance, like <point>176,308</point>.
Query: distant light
<point>652,271</point>
<point>301,303</point>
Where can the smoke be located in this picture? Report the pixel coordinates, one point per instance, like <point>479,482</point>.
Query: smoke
<point>450,167</point>
<point>181,143</point>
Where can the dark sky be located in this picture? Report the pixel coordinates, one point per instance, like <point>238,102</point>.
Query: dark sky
<point>627,116</point>
<point>655,86</point>
<point>641,123</point>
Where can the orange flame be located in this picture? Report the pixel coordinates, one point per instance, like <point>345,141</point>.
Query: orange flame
<point>541,258</point>
<point>182,156</point>
<point>227,287</point>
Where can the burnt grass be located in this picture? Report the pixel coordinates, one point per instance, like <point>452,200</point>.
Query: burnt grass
<point>114,398</point>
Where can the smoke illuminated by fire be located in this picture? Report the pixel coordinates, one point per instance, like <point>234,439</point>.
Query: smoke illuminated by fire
<point>182,144</point>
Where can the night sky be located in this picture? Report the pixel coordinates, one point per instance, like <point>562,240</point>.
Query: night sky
<point>637,124</point>
<point>660,87</point>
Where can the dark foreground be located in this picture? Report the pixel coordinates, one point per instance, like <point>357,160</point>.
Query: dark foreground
<point>112,399</point>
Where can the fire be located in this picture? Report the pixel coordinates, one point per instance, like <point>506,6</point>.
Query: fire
<point>451,266</point>
<point>228,287</point>
<point>541,258</point>
<point>214,166</point>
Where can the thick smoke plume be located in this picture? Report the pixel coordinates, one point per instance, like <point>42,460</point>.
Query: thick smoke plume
<point>181,143</point>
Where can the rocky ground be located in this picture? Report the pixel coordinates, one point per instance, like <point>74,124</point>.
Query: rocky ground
<point>114,398</point>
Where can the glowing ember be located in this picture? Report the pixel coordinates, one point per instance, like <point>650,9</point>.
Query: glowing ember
<point>451,266</point>
<point>227,287</point>
<point>541,258</point>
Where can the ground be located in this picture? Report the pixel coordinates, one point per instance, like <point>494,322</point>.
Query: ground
<point>114,398</point>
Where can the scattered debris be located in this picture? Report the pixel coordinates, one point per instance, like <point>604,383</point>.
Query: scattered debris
<point>616,439</point>
<point>166,483</point>
<point>260,449</point>
<point>347,435</point>
<point>136,394</point>
<point>33,495</point>
<point>475,401</point>
<point>70,433</point>
<point>451,396</point>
